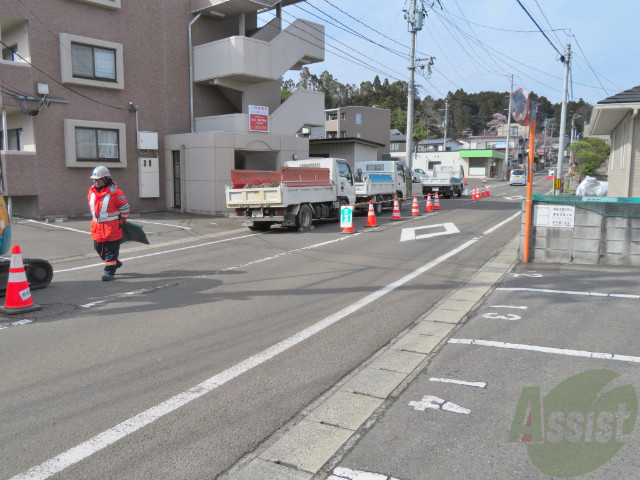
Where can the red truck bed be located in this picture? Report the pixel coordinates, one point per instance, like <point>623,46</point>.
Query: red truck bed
<point>291,176</point>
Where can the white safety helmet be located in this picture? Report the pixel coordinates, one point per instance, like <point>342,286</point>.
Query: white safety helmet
<point>100,172</point>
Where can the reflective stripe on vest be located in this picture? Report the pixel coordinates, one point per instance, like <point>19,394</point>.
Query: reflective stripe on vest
<point>104,215</point>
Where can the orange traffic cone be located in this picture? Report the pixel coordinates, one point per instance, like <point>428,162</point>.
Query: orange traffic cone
<point>415,210</point>
<point>484,179</point>
<point>465,180</point>
<point>396,210</point>
<point>18,298</point>
<point>436,202</point>
<point>488,193</point>
<point>429,207</point>
<point>371,216</point>
<point>474,194</point>
<point>482,192</point>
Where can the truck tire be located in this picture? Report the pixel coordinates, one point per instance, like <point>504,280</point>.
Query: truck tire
<point>377,205</point>
<point>260,226</point>
<point>459,191</point>
<point>304,219</point>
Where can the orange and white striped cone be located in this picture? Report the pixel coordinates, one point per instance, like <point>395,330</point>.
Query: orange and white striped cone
<point>482,192</point>
<point>488,193</point>
<point>465,180</point>
<point>396,210</point>
<point>415,210</point>
<point>371,216</point>
<point>484,179</point>
<point>429,207</point>
<point>18,298</point>
<point>474,194</point>
<point>436,202</point>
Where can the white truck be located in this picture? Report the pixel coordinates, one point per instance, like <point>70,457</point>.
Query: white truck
<point>447,180</point>
<point>380,181</point>
<point>295,195</point>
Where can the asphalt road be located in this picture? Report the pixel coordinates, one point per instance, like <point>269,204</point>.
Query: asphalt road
<point>214,337</point>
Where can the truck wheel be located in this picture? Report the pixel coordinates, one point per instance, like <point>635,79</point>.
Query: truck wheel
<point>377,205</point>
<point>260,226</point>
<point>459,192</point>
<point>305,217</point>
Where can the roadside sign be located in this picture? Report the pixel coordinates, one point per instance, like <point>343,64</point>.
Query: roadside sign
<point>346,216</point>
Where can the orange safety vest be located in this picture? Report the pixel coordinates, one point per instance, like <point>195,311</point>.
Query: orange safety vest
<point>109,208</point>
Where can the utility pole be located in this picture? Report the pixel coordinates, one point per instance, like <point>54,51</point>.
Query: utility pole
<point>506,153</point>
<point>415,19</point>
<point>563,117</point>
<point>573,127</point>
<point>446,120</point>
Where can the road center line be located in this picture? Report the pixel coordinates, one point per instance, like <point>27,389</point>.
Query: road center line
<point>108,437</point>
<point>536,348</point>
<point>570,292</point>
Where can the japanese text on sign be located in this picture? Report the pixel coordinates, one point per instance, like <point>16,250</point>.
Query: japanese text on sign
<point>554,216</point>
<point>258,118</point>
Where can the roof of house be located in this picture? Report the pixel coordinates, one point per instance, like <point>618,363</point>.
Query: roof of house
<point>361,141</point>
<point>628,96</point>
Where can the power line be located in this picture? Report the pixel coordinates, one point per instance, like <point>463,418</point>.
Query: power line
<point>541,31</point>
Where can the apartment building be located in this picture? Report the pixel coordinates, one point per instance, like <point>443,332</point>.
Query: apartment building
<point>170,95</point>
<point>366,123</point>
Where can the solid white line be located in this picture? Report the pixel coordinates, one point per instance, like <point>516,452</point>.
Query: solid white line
<point>509,306</point>
<point>158,223</point>
<point>570,292</point>
<point>162,252</point>
<point>556,351</point>
<point>108,437</point>
<point>460,382</point>
<point>495,227</point>
<point>15,324</point>
<point>59,226</point>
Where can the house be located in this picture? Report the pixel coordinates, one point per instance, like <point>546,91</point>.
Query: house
<point>170,98</point>
<point>398,144</point>
<point>617,117</point>
<point>366,123</point>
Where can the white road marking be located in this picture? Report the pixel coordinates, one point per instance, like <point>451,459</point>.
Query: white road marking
<point>108,437</point>
<point>15,324</point>
<point>460,382</point>
<point>342,473</point>
<point>58,226</point>
<point>497,316</point>
<point>496,227</point>
<point>556,351</point>
<point>410,233</point>
<point>529,274</point>
<point>435,403</point>
<point>570,292</point>
<point>522,307</point>
<point>163,224</point>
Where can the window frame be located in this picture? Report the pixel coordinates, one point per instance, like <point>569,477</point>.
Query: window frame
<point>66,59</point>
<point>70,126</point>
<point>94,75</point>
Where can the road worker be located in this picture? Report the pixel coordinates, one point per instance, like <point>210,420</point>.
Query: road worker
<point>109,210</point>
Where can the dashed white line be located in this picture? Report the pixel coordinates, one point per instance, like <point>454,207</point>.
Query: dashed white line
<point>570,292</point>
<point>460,382</point>
<point>536,348</point>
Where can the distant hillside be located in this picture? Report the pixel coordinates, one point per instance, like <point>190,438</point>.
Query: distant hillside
<point>469,113</point>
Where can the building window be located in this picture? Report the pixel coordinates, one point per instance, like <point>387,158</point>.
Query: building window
<point>10,53</point>
<point>343,116</point>
<point>332,134</point>
<point>332,116</point>
<point>343,134</point>
<point>97,144</point>
<point>14,139</point>
<point>91,62</point>
<point>394,145</point>
<point>88,143</point>
<point>358,119</point>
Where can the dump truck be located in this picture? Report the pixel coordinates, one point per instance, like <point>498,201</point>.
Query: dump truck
<point>447,181</point>
<point>379,181</point>
<point>39,272</point>
<point>300,192</point>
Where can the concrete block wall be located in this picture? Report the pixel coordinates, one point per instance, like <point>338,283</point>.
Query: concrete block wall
<point>593,240</point>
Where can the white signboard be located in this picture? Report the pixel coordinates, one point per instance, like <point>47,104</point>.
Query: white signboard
<point>346,216</point>
<point>554,216</point>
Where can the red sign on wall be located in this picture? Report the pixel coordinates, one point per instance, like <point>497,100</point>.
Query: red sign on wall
<point>258,118</point>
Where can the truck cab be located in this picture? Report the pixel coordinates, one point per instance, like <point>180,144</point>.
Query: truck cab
<point>339,172</point>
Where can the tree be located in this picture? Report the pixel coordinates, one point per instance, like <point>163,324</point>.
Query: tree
<point>589,154</point>
<point>498,120</point>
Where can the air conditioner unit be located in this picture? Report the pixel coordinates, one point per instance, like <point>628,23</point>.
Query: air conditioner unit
<point>147,140</point>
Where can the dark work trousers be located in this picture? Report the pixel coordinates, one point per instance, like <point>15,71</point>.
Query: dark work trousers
<point>108,252</point>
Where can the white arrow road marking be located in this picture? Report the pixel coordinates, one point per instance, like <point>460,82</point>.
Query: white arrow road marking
<point>460,382</point>
<point>342,473</point>
<point>509,306</point>
<point>410,233</point>
<point>508,316</point>
<point>529,274</point>
<point>516,197</point>
<point>435,403</point>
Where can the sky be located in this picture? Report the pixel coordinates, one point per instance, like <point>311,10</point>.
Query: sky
<point>479,44</point>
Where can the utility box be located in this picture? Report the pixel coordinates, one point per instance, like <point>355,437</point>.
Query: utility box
<point>147,140</point>
<point>149,177</point>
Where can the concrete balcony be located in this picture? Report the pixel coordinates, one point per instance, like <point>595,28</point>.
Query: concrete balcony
<point>249,60</point>
<point>303,108</point>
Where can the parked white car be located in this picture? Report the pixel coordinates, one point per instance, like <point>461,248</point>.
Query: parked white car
<point>518,177</point>
<point>417,174</point>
